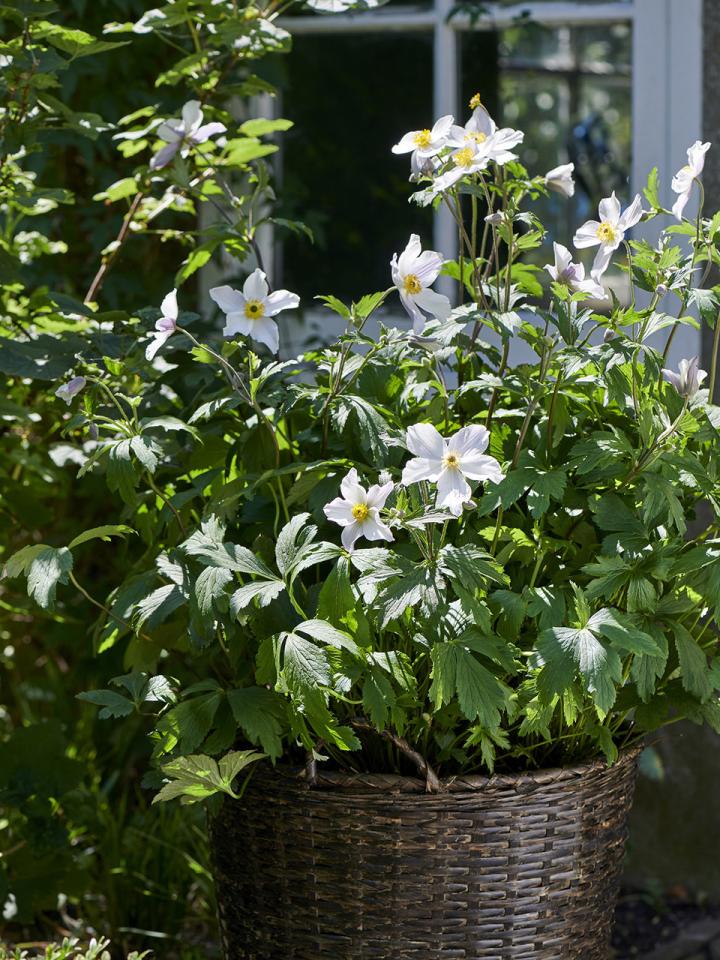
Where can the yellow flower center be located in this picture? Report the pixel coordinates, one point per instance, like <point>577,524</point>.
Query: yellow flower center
<point>451,460</point>
<point>423,138</point>
<point>361,512</point>
<point>254,309</point>
<point>475,101</point>
<point>606,233</point>
<point>464,157</point>
<point>412,284</point>
<point>476,137</point>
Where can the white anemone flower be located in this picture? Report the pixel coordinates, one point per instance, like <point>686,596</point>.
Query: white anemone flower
<point>165,327</point>
<point>182,133</point>
<point>426,143</point>
<point>413,273</point>
<point>608,232</point>
<point>68,391</point>
<point>572,275</point>
<point>482,132</point>
<point>463,162</point>
<point>357,511</point>
<point>560,179</point>
<point>683,180</point>
<point>251,312</point>
<point>449,462</point>
<point>688,380</point>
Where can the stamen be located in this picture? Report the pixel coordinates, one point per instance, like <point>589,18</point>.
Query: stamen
<point>423,138</point>
<point>606,232</point>
<point>412,284</point>
<point>254,309</point>
<point>464,157</point>
<point>361,512</point>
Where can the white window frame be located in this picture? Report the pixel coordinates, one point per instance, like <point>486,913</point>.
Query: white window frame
<point>666,79</point>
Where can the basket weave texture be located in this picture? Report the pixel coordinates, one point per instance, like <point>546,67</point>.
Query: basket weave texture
<point>357,867</point>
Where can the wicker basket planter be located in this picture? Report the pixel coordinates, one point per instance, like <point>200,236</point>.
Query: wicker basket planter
<point>508,868</point>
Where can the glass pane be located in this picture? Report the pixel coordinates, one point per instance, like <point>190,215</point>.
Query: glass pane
<point>351,98</point>
<point>569,89</point>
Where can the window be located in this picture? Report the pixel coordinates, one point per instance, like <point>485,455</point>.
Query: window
<point>576,76</point>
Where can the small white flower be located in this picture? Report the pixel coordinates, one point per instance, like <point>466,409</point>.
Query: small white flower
<point>165,327</point>
<point>449,462</point>
<point>182,133</point>
<point>683,180</point>
<point>384,477</point>
<point>425,143</point>
<point>357,510</point>
<point>462,162</point>
<point>68,391</point>
<point>495,219</point>
<point>478,142</point>
<point>572,275</point>
<point>560,179</point>
<point>422,166</point>
<point>250,312</point>
<point>609,232</point>
<point>413,273</point>
<point>689,378</point>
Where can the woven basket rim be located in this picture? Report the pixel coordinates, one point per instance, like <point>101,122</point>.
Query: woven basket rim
<point>527,781</point>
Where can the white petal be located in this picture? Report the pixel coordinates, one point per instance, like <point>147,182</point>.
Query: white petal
<point>481,122</point>
<point>406,260</point>
<point>602,260</point>
<point>255,287</point>
<point>339,511</point>
<point>632,215</point>
<point>421,468</point>
<point>423,440</point>
<point>407,143</point>
<point>477,466</point>
<point>374,529</point>
<point>169,306</point>
<point>682,181</point>
<point>280,300</point>
<point>436,304</point>
<point>266,331</point>
<point>192,116</point>
<point>229,300</point>
<point>427,266</point>
<point>586,235</point>
<point>352,489</point>
<point>441,127</point>
<point>413,310</point>
<point>206,131</point>
<point>680,204</point>
<point>171,131</point>
<point>696,156</point>
<point>158,340</point>
<point>609,209</point>
<point>377,495</point>
<point>163,157</point>
<point>237,323</point>
<point>469,440</point>
<point>563,257</point>
<point>350,534</point>
<point>452,491</point>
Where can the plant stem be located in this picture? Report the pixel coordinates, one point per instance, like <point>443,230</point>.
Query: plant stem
<point>120,240</point>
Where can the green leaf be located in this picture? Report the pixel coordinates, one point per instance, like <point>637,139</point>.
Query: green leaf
<point>456,671</point>
<point>189,723</point>
<point>336,597</point>
<point>470,566</point>
<point>48,568</point>
<point>265,590</point>
<point>695,672</point>
<point>198,777</point>
<point>564,648</point>
<point>259,126</point>
<point>75,42</point>
<point>291,538</point>
<point>651,190</point>
<point>260,714</point>
<point>546,485</point>
<point>305,665</point>
<point>210,588</point>
<point>113,704</point>
<point>101,533</point>
<point>326,633</point>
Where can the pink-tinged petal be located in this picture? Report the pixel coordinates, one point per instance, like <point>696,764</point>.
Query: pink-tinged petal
<point>696,156</point>
<point>192,116</point>
<point>673,379</point>
<point>164,156</point>
<point>477,466</point>
<point>206,131</point>
<point>166,325</point>
<point>481,122</point>
<point>351,488</point>
<point>406,260</point>
<point>170,131</point>
<point>632,215</point>
<point>237,323</point>
<point>159,340</point>
<point>552,270</point>
<point>255,287</point>
<point>413,311</point>
<point>266,331</point>
<point>436,304</point>
<point>229,300</point>
<point>377,495</point>
<point>339,511</point>
<point>427,267</point>
<point>586,235</point>
<point>609,209</point>
<point>563,257</point>
<point>680,204</point>
<point>452,491</point>
<point>423,440</point>
<point>281,300</point>
<point>469,440</point>
<point>350,534</point>
<point>682,181</point>
<point>169,306</point>
<point>602,260</point>
<point>407,143</point>
<point>420,468</point>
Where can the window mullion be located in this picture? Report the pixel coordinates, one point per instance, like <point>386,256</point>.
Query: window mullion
<point>445,100</point>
